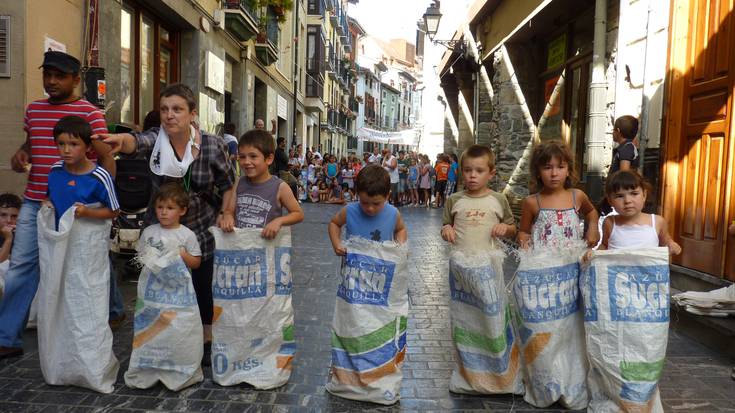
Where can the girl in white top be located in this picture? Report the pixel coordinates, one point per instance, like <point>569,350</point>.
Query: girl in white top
<point>632,228</point>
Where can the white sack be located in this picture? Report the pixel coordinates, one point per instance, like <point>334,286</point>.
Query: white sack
<point>369,325</point>
<point>168,342</point>
<point>74,339</point>
<point>546,290</point>
<point>626,305</point>
<point>252,331</point>
<point>488,355</point>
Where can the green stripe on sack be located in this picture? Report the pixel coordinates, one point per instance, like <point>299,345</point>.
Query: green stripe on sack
<point>355,345</point>
<point>139,304</point>
<point>641,370</point>
<point>471,339</point>
<point>288,333</point>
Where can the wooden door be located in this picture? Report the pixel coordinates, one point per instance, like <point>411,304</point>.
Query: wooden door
<point>700,133</point>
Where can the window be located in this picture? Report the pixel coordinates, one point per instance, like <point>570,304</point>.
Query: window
<point>148,62</point>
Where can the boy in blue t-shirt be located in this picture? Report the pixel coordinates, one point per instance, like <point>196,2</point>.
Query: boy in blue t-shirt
<point>77,181</point>
<point>372,217</point>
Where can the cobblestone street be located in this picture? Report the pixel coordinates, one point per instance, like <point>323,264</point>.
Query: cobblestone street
<point>695,379</point>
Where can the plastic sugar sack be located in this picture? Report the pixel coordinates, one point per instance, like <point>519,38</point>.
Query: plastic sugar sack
<point>488,354</point>
<point>550,326</point>
<point>252,331</point>
<point>74,339</point>
<point>167,342</point>
<point>626,320</point>
<point>369,325</point>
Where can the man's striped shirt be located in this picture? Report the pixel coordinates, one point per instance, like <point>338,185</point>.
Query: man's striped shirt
<point>40,119</point>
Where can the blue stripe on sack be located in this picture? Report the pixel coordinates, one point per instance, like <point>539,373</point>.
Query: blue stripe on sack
<point>287,348</point>
<point>482,362</point>
<point>637,392</point>
<point>145,318</point>
<point>370,359</point>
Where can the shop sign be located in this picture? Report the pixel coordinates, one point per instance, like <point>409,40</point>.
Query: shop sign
<point>557,52</point>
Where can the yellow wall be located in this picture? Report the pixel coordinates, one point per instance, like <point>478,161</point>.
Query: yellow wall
<point>43,21</point>
<point>42,18</point>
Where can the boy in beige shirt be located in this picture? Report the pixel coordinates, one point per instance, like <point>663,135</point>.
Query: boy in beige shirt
<point>473,217</point>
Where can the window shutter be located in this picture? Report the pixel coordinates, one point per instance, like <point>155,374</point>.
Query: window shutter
<point>4,46</point>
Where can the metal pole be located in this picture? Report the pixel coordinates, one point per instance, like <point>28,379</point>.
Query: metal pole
<point>596,138</point>
<point>295,39</point>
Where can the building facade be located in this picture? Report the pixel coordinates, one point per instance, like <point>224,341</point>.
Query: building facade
<point>237,56</point>
<point>532,70</point>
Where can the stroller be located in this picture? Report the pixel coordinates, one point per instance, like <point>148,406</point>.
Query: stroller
<point>133,186</point>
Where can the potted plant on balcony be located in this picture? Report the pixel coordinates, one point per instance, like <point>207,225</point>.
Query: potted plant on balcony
<point>280,7</point>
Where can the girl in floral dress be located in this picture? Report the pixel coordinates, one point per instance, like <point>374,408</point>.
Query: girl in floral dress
<point>547,289</point>
<point>552,216</point>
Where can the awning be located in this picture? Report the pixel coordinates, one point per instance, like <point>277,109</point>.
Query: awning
<point>404,137</point>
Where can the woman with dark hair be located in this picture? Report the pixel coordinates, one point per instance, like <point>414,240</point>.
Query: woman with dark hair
<point>179,151</point>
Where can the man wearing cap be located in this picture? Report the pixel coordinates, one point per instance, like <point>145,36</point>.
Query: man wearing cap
<point>38,154</point>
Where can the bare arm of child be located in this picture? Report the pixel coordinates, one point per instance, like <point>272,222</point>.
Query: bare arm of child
<point>529,210</point>
<point>400,234</point>
<point>224,220</point>
<point>504,230</point>
<point>227,220</point>
<point>335,231</point>
<point>447,231</point>
<point>664,238</point>
<point>7,233</point>
<point>191,261</point>
<point>591,218</point>
<point>607,227</point>
<point>294,216</point>
<point>83,211</point>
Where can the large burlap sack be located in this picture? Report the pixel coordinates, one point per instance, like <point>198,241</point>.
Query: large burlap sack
<point>546,291</point>
<point>168,341</point>
<point>488,355</point>
<point>626,307</point>
<point>74,339</point>
<point>369,325</point>
<point>252,331</point>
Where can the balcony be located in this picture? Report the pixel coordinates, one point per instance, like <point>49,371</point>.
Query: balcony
<point>316,7</point>
<point>314,95</point>
<point>266,43</point>
<point>331,4</point>
<point>342,28</point>
<point>334,16</point>
<point>241,19</point>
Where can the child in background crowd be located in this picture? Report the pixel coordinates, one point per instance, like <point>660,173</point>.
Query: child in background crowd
<point>9,210</point>
<point>413,182</point>
<point>452,176</point>
<point>372,217</point>
<point>323,191</point>
<point>260,197</point>
<point>348,175</point>
<point>335,194</point>
<point>442,174</point>
<point>314,193</point>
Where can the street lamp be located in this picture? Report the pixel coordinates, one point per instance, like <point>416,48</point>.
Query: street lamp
<point>432,16</point>
<point>431,19</point>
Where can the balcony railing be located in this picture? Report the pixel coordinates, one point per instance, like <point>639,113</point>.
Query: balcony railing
<point>330,58</point>
<point>241,19</point>
<point>315,66</point>
<point>316,7</point>
<point>314,88</point>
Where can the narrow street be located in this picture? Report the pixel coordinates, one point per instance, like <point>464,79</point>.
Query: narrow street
<point>695,379</point>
